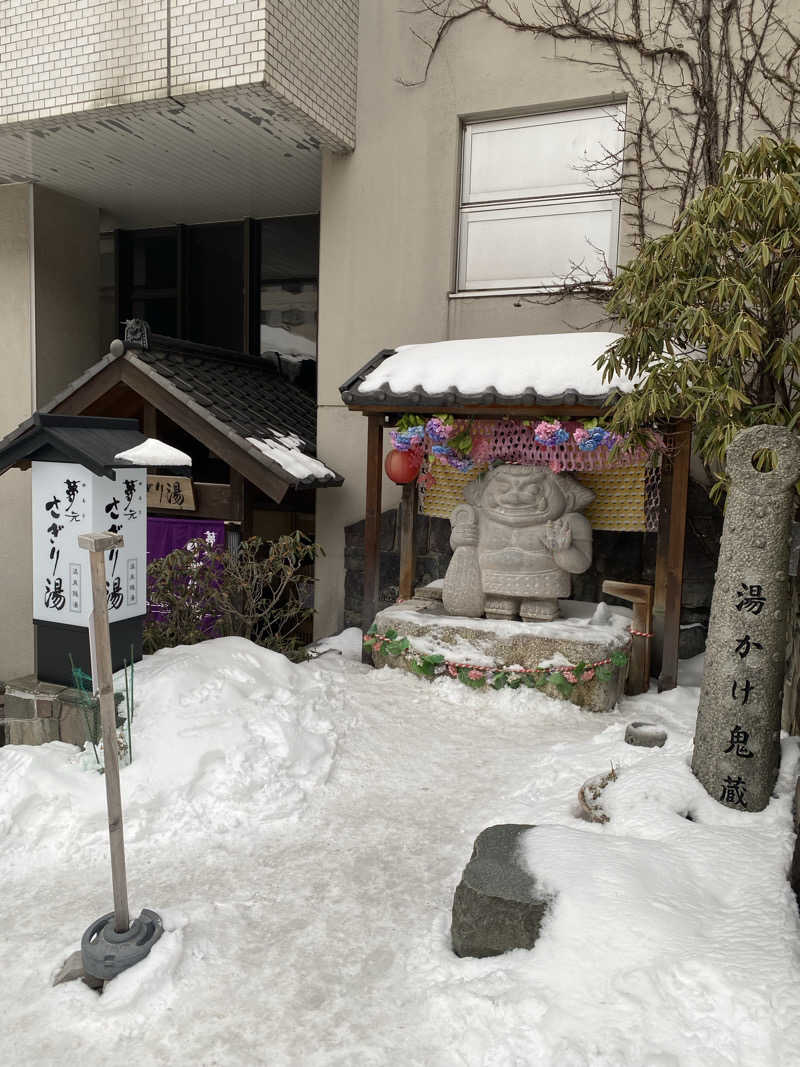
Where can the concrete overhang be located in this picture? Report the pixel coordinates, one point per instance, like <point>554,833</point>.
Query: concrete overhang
<point>217,155</point>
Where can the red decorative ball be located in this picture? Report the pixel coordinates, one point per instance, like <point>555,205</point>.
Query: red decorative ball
<point>402,467</point>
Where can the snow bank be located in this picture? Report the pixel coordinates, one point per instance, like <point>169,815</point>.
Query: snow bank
<point>348,644</point>
<point>324,940</point>
<point>666,918</point>
<point>224,732</point>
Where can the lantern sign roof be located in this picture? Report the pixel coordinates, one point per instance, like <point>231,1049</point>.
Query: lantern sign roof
<point>99,444</point>
<point>519,372</point>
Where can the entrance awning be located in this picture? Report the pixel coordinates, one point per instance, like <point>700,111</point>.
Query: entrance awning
<point>238,406</point>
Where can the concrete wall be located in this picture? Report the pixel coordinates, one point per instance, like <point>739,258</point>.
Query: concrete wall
<point>62,57</point>
<point>16,403</point>
<point>48,310</point>
<point>388,227</point>
<point>67,283</point>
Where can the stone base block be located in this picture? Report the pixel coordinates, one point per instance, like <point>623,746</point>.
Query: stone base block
<point>36,712</point>
<point>585,635</point>
<point>497,906</point>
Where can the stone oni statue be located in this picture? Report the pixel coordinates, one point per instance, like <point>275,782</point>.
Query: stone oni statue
<point>516,542</point>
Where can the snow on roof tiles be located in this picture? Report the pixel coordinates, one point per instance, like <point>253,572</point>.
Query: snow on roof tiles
<point>285,451</point>
<point>553,367</point>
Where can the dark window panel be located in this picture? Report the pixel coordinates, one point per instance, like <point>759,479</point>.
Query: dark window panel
<point>290,248</point>
<point>214,313</point>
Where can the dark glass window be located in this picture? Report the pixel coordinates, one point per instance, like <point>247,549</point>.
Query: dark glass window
<point>249,286</point>
<point>148,278</point>
<point>215,285</point>
<point>289,295</point>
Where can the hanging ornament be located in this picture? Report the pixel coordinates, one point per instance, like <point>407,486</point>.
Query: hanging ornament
<point>402,467</point>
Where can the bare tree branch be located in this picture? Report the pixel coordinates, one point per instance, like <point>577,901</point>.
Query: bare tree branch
<point>702,77</point>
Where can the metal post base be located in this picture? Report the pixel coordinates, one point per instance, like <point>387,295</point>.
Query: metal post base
<point>106,953</point>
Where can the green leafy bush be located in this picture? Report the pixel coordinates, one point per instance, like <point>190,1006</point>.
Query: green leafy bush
<point>261,590</point>
<point>711,310</point>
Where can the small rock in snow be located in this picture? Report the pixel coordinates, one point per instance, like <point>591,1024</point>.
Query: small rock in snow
<point>497,906</point>
<point>645,735</point>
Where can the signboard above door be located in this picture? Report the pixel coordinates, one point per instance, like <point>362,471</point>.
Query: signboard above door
<point>170,494</point>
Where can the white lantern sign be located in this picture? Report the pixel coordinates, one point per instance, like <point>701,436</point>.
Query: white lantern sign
<point>68,499</point>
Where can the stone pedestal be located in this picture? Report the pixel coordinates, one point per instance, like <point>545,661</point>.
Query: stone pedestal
<point>506,643</point>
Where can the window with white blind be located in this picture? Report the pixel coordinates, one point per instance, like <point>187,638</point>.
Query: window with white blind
<point>540,199</point>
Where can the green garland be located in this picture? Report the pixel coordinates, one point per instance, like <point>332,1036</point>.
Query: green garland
<point>432,665</point>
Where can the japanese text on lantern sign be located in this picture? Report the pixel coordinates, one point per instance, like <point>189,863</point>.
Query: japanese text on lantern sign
<point>66,505</point>
<point>117,510</point>
<point>749,600</point>
<point>62,508</point>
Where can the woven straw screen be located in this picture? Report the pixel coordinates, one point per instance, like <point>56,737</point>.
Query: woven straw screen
<point>626,498</point>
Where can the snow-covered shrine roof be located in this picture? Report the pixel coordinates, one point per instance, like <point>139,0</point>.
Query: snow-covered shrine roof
<point>524,371</point>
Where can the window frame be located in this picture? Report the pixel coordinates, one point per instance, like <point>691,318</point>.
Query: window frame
<point>471,207</point>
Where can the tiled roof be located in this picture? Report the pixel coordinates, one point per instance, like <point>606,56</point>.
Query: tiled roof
<point>91,441</point>
<point>244,392</point>
<point>245,397</point>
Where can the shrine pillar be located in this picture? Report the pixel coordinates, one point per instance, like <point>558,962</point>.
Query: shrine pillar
<point>737,738</point>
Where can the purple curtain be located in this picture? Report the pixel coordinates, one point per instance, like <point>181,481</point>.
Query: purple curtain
<point>163,535</point>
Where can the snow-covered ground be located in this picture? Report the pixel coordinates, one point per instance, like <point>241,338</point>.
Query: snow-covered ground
<point>301,829</point>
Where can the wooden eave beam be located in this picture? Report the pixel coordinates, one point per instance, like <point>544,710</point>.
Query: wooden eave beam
<point>90,392</point>
<point>487,411</point>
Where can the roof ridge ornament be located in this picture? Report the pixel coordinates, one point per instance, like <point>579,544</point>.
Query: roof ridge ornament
<point>137,332</point>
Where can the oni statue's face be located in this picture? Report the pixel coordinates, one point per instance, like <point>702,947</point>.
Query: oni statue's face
<point>522,496</point>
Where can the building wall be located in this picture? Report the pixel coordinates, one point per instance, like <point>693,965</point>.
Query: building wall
<point>311,52</point>
<point>49,311</point>
<point>388,227</point>
<point>61,57</point>
<point>66,286</point>
<point>215,45</point>
<point>16,404</point>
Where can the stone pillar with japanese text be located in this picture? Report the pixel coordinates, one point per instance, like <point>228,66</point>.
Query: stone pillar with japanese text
<point>737,737</point>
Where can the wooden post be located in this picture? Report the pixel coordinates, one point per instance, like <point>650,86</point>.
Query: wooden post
<point>98,544</point>
<point>408,547</point>
<point>669,561</point>
<point>641,596</point>
<point>372,520</point>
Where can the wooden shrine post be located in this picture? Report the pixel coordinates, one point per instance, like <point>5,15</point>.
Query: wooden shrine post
<point>408,547</point>
<point>670,554</point>
<point>98,544</point>
<point>641,597</point>
<point>372,522</point>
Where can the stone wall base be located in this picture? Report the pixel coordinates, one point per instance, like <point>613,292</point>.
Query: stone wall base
<point>35,712</point>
